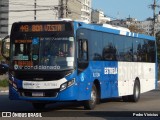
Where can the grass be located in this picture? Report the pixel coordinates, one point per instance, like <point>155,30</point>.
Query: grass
<point>4,83</point>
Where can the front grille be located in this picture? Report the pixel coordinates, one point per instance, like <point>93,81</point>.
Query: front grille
<point>41,75</point>
<point>40,93</point>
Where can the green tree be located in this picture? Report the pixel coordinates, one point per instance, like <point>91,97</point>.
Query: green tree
<point>134,28</point>
<point>1,57</point>
<point>158,45</point>
<point>158,51</point>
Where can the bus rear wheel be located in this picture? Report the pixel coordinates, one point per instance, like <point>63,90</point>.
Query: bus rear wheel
<point>136,92</point>
<point>90,104</point>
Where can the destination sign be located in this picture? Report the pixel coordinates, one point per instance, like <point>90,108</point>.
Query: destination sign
<point>42,28</point>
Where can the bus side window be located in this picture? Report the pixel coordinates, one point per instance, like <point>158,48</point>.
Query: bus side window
<point>82,55</point>
<point>83,50</point>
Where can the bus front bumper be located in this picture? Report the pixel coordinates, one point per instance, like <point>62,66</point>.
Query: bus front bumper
<point>69,94</point>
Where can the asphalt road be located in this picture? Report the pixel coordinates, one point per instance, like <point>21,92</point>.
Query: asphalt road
<point>149,103</point>
<point>114,108</point>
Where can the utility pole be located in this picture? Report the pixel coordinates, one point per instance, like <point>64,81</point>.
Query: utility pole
<point>63,8</point>
<point>35,11</point>
<point>153,7</point>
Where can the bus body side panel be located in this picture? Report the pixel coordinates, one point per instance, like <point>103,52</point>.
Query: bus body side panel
<point>110,79</point>
<point>129,71</point>
<point>106,72</point>
<point>149,76</point>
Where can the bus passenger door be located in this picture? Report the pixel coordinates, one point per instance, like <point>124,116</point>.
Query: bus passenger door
<point>82,64</point>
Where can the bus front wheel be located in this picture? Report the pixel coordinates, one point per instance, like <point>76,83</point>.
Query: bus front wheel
<point>90,104</point>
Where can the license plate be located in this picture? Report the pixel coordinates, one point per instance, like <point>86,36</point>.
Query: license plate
<point>37,94</point>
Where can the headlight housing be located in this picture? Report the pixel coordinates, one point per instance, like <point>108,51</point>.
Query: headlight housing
<point>67,84</point>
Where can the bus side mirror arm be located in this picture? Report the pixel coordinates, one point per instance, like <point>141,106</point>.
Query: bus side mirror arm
<point>3,47</point>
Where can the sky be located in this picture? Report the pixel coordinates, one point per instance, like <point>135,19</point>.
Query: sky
<point>121,9</point>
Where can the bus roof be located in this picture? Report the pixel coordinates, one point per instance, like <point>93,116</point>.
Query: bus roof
<point>114,30</point>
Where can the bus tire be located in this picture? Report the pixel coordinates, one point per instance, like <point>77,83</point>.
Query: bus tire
<point>38,106</point>
<point>90,104</point>
<point>136,92</point>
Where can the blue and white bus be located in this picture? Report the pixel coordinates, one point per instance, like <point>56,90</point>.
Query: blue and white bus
<point>53,61</point>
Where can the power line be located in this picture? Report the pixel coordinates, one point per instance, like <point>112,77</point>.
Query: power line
<point>46,8</point>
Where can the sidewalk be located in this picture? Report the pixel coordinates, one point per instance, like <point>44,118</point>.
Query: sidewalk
<point>2,77</point>
<point>4,90</point>
<point>159,84</point>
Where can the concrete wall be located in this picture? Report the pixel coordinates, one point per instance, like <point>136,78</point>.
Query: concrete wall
<point>3,18</point>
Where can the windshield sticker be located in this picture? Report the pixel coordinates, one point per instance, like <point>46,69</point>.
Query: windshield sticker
<point>24,63</point>
<point>35,41</point>
<point>25,58</point>
<point>61,38</point>
<point>23,41</point>
<point>70,59</point>
<point>20,57</point>
<point>70,64</point>
<point>71,38</point>
<point>35,57</point>
<point>16,58</point>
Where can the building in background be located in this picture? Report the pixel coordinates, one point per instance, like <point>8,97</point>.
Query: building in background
<point>86,10</point>
<point>70,9</point>
<point>30,10</point>
<point>99,17</point>
<point>124,22</point>
<point>145,26</point>
<point>3,18</point>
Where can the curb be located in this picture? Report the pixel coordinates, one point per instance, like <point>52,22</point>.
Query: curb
<point>4,91</point>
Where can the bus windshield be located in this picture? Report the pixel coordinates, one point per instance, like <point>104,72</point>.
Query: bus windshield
<point>43,51</point>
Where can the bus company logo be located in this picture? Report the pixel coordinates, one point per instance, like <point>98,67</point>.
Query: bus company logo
<point>20,115</point>
<point>111,70</point>
<point>6,114</point>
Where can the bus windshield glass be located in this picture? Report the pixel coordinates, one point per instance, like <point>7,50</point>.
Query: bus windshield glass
<point>43,50</point>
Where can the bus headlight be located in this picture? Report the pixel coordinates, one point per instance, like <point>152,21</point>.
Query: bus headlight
<point>63,86</point>
<point>67,84</point>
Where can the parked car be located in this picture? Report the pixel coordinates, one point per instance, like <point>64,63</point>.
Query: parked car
<point>3,69</point>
